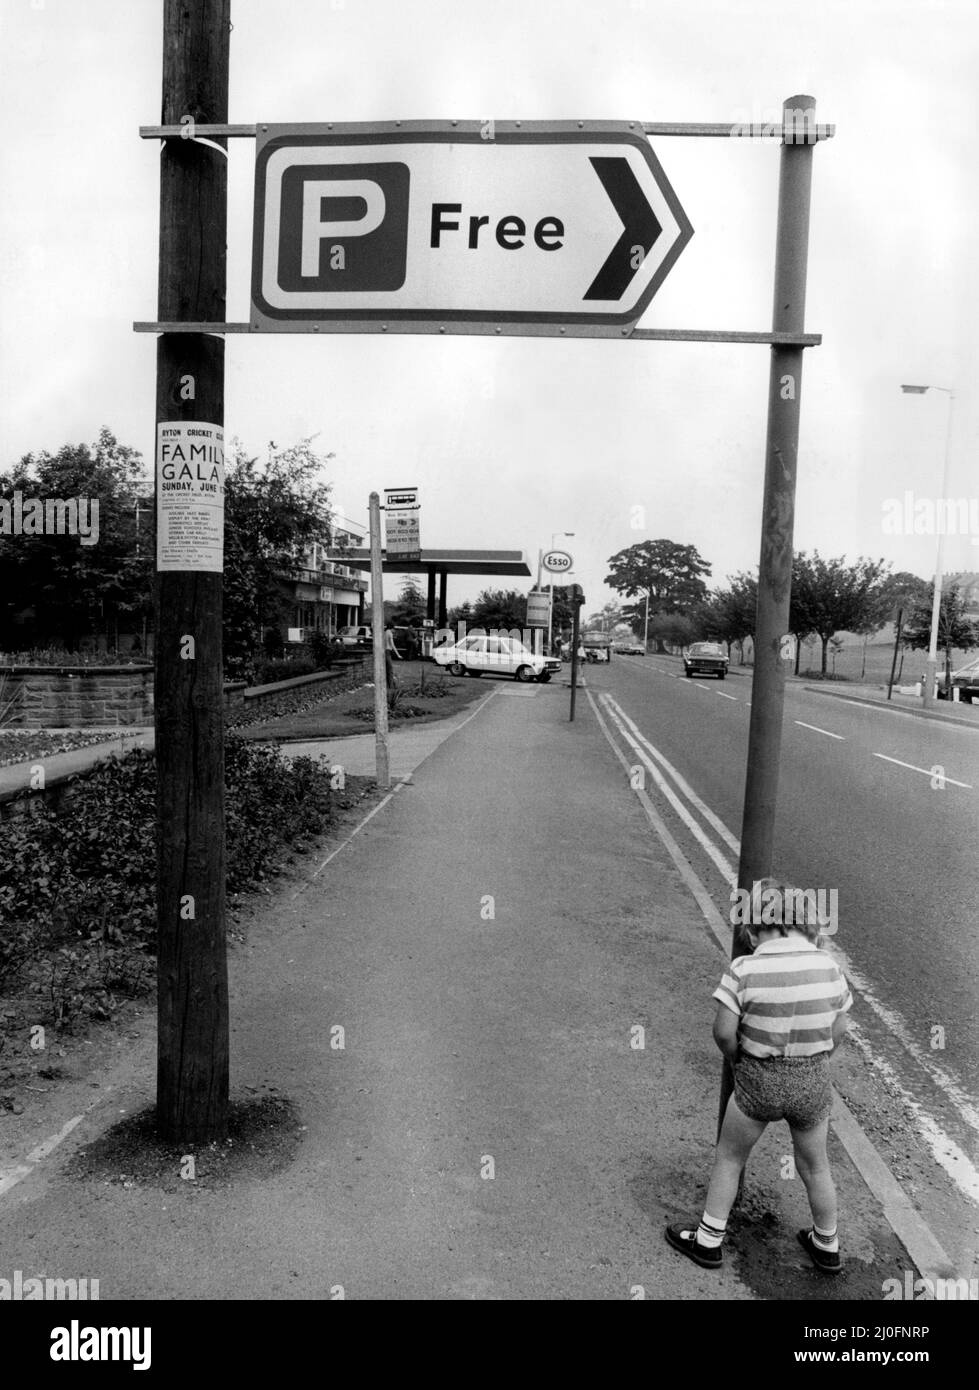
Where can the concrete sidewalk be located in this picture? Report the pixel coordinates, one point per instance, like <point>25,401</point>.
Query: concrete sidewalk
<point>527,1089</point>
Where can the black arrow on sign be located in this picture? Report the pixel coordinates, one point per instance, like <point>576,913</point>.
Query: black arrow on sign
<point>640,227</point>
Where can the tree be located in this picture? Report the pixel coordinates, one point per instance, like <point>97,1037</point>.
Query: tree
<point>673,629</point>
<point>955,628</point>
<point>54,588</point>
<point>562,611</point>
<point>410,608</point>
<point>671,574</point>
<point>829,596</point>
<point>729,614</point>
<point>608,617</point>
<point>274,511</point>
<point>500,608</point>
<point>462,614</point>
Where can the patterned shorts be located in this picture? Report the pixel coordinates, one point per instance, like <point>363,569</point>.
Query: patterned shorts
<point>796,1089</point>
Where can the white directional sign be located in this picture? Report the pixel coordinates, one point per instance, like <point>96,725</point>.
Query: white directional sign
<point>517,221</point>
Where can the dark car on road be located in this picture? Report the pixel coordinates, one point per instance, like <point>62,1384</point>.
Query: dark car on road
<point>705,659</point>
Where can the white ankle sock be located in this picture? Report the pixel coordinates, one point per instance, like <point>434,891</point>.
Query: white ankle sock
<point>710,1232</point>
<point>826,1240</point>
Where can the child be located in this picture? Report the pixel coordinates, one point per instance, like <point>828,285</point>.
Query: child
<point>780,1012</point>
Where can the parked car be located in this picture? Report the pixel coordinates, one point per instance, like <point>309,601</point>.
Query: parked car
<point>353,636</point>
<point>965,680</point>
<point>705,659</point>
<point>503,656</point>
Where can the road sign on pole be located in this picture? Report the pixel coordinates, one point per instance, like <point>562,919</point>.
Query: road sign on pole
<point>402,536</point>
<point>538,609</point>
<point>561,222</point>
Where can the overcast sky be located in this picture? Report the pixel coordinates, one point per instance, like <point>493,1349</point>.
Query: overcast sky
<point>512,439</point>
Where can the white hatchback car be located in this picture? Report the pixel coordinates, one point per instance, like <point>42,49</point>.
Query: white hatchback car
<point>503,656</point>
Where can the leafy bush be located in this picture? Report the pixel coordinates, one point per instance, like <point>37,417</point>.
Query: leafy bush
<point>77,886</point>
<point>324,649</point>
<point>60,656</point>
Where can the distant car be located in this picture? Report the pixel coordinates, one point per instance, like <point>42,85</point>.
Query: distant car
<point>597,645</point>
<point>705,659</point>
<point>629,649</point>
<point>965,680</point>
<point>503,656</point>
<point>354,636</point>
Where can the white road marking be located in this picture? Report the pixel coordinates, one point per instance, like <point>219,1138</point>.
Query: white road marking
<point>928,771</point>
<point>10,1177</point>
<point>944,1150</point>
<point>688,791</point>
<point>724,696</point>
<point>910,1228</point>
<point>707,845</point>
<point>816,730</point>
<point>701,687</point>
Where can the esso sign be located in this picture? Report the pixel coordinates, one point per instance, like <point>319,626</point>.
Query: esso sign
<point>557,561</point>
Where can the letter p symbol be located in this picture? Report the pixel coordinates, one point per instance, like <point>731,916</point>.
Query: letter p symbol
<point>315,230</point>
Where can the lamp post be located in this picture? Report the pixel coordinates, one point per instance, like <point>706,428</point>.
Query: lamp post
<point>645,635</point>
<point>931,666</point>
<point>550,614</point>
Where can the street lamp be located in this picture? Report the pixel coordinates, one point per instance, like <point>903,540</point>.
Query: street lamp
<point>931,668</point>
<point>645,635</point>
<point>550,612</point>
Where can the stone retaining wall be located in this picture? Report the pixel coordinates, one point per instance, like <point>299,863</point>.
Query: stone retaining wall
<point>107,697</point>
<point>78,697</point>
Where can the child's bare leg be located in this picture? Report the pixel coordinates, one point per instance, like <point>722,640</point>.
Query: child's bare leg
<point>812,1163</point>
<point>739,1134</point>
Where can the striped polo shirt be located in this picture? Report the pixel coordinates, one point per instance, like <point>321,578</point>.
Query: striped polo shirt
<point>787,995</point>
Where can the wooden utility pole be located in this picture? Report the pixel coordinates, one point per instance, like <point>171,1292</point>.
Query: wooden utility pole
<point>192,1055</point>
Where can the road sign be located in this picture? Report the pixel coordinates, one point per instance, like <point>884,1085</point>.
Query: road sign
<point>557,561</point>
<point>402,536</point>
<point>538,609</point>
<point>519,221</point>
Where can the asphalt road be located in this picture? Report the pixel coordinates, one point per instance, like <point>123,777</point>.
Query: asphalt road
<point>860,810</point>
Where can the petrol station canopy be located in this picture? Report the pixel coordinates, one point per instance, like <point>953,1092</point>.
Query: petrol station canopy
<point>471,562</point>
<point>441,563</point>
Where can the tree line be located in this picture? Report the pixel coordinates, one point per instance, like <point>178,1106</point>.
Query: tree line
<point>829,595</point>
<point>56,592</point>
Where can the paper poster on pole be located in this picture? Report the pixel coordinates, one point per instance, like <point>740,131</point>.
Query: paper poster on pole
<point>189,496</point>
